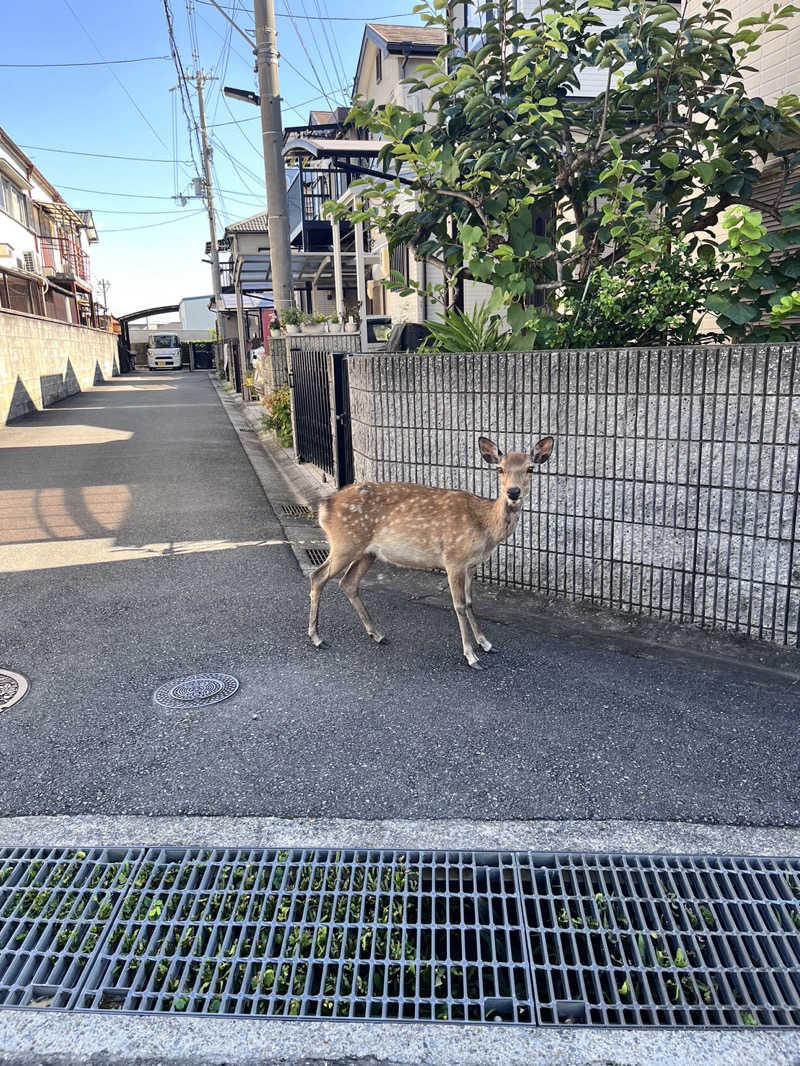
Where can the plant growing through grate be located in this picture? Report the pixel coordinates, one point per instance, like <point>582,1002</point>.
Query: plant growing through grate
<point>663,940</point>
<point>296,510</point>
<point>55,906</point>
<point>318,933</point>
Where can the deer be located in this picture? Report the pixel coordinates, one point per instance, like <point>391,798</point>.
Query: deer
<point>420,527</point>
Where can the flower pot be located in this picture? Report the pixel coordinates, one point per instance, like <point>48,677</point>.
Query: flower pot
<point>350,327</point>
<point>308,327</point>
<point>291,329</point>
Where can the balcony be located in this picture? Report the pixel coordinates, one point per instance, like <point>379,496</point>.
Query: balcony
<point>63,256</point>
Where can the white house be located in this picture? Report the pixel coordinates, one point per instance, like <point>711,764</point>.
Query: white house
<point>45,266</point>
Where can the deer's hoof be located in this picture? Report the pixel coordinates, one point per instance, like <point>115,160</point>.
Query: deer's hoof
<point>485,644</point>
<point>379,638</point>
<point>316,640</point>
<point>472,662</point>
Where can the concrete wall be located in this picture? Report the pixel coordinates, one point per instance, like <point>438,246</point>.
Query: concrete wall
<point>43,361</point>
<point>673,486</point>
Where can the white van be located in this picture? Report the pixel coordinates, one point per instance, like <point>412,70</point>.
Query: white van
<point>163,351</point>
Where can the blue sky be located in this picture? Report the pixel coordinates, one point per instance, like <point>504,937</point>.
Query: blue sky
<point>129,113</point>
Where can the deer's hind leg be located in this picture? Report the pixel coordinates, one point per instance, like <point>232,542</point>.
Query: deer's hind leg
<point>333,565</point>
<point>350,587</point>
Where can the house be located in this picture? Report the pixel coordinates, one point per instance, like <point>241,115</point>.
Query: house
<point>45,266</point>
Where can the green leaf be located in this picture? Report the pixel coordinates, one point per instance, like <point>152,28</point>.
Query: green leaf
<point>737,312</point>
<point>670,160</point>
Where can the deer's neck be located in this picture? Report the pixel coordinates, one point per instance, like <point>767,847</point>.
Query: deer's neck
<point>503,520</point>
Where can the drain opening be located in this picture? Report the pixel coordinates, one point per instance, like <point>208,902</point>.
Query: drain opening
<point>13,687</point>
<point>663,940</point>
<point>296,510</point>
<point>317,556</point>
<point>201,690</point>
<point>317,934</point>
<point>548,939</point>
<point>55,907</point>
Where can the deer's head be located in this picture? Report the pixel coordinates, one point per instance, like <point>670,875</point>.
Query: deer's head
<point>515,468</point>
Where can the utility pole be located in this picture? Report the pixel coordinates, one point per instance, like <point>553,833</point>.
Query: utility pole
<point>266,51</point>
<point>200,79</point>
<point>105,286</point>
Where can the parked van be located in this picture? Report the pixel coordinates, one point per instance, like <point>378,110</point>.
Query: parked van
<point>163,351</point>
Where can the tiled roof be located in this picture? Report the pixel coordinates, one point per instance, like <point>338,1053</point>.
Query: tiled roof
<point>323,118</point>
<point>427,35</point>
<point>256,224</point>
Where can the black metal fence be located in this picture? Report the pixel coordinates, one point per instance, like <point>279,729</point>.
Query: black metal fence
<point>673,486</point>
<point>320,395</point>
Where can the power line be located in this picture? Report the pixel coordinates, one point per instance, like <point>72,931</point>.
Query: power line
<point>145,195</point>
<point>121,84</point>
<point>331,18</point>
<point>101,155</point>
<point>94,63</point>
<point>319,84</point>
<point>152,225</point>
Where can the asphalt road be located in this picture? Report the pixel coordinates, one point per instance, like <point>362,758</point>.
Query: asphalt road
<point>138,546</point>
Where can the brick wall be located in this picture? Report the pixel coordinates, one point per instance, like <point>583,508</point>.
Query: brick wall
<point>43,361</point>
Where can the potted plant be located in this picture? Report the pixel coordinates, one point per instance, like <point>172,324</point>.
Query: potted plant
<point>314,323</point>
<point>352,322</point>
<point>293,319</point>
<point>334,326</point>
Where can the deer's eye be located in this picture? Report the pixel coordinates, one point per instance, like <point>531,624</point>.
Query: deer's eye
<point>530,469</point>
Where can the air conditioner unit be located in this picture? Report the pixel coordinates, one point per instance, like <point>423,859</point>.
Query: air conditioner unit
<point>31,262</point>
<point>6,251</point>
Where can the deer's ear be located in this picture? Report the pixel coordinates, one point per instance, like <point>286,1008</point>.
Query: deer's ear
<point>542,450</point>
<point>489,451</point>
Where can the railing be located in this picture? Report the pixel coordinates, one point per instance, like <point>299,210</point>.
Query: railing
<point>673,486</point>
<point>64,255</point>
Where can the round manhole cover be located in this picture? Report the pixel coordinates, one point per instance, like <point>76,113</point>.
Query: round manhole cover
<point>187,693</point>
<point>12,688</point>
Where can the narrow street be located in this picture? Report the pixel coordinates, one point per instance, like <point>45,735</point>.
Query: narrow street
<point>138,547</point>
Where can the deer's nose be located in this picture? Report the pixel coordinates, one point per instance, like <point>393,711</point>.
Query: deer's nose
<point>513,494</point>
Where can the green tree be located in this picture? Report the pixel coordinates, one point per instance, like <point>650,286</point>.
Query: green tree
<point>518,181</point>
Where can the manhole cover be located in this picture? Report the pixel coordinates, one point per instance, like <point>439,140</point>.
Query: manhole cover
<point>187,693</point>
<point>12,688</point>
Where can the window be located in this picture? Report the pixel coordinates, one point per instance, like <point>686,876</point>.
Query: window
<point>14,202</point>
<point>379,65</point>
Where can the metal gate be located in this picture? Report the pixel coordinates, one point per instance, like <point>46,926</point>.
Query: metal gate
<point>321,412</point>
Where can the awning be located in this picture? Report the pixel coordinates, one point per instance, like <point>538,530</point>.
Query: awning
<point>249,303</point>
<point>61,212</point>
<point>306,267</point>
<point>330,148</point>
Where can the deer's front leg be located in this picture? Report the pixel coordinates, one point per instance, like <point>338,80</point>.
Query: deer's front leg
<point>457,577</point>
<point>476,629</point>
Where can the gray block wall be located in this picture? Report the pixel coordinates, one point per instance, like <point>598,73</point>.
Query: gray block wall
<point>43,361</point>
<point>673,486</point>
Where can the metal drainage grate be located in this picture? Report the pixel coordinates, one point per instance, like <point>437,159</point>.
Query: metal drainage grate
<point>13,687</point>
<point>56,904</point>
<point>296,510</point>
<point>634,940</point>
<point>317,556</point>
<point>188,693</point>
<point>312,934</point>
<point>663,940</point>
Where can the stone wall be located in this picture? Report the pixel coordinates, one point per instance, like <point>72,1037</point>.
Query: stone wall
<point>43,361</point>
<point>672,489</point>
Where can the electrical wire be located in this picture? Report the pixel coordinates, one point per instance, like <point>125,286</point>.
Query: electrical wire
<point>340,72</point>
<point>186,99</point>
<point>119,81</point>
<point>331,18</point>
<point>94,63</point>
<point>101,155</point>
<point>319,84</point>
<point>152,225</point>
<point>145,195</point>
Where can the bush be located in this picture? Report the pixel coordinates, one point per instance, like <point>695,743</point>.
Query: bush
<point>278,416</point>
